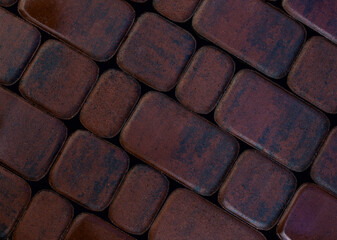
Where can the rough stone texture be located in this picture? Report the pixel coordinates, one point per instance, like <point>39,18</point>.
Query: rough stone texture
<point>176,10</point>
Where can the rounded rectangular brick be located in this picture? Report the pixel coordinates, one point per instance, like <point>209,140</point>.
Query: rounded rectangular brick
<point>14,197</point>
<point>18,43</point>
<point>271,120</point>
<point>186,216</point>
<point>95,27</point>
<point>58,79</point>
<point>176,10</point>
<point>257,190</point>
<point>110,103</point>
<point>88,170</point>
<point>47,217</point>
<point>183,145</point>
<point>139,199</point>
<point>253,31</point>
<point>324,168</point>
<point>7,3</point>
<point>29,138</point>
<point>312,214</point>
<point>156,51</point>
<point>314,74</point>
<point>318,15</point>
<point>89,227</point>
<point>204,80</point>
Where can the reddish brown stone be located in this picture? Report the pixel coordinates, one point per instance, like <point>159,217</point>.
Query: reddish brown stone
<point>18,43</point>
<point>29,138</point>
<point>156,51</point>
<point>257,190</point>
<point>110,103</point>
<point>7,3</point>
<point>59,79</point>
<point>95,27</point>
<point>176,10</point>
<point>47,217</point>
<point>204,80</point>
<point>319,15</point>
<point>253,31</point>
<point>186,215</point>
<point>324,169</point>
<point>89,227</point>
<point>14,197</point>
<point>314,74</point>
<point>312,214</point>
<point>88,170</point>
<point>271,120</point>
<point>139,199</point>
<point>183,145</point>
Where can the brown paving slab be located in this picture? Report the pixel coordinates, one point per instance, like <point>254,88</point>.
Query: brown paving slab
<point>47,217</point>
<point>14,197</point>
<point>139,199</point>
<point>89,227</point>
<point>318,15</point>
<point>7,3</point>
<point>204,80</point>
<point>95,27</point>
<point>272,120</point>
<point>179,143</point>
<point>314,74</point>
<point>88,170</point>
<point>29,138</point>
<point>257,190</point>
<point>253,31</point>
<point>110,103</point>
<point>59,79</point>
<point>324,168</point>
<point>176,10</point>
<point>156,51</point>
<point>18,43</point>
<point>312,214</point>
<point>186,216</point>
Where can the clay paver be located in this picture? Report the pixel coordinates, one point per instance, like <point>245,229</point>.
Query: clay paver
<point>59,79</point>
<point>110,103</point>
<point>257,190</point>
<point>176,10</point>
<point>314,74</point>
<point>7,3</point>
<point>18,43</point>
<point>89,227</point>
<point>253,31</point>
<point>319,15</point>
<point>204,80</point>
<point>156,51</point>
<point>14,197</point>
<point>181,144</point>
<point>324,168</point>
<point>47,217</point>
<point>29,138</point>
<point>312,214</point>
<point>139,199</point>
<point>186,215</point>
<point>95,27</point>
<point>88,170</point>
<point>271,120</point>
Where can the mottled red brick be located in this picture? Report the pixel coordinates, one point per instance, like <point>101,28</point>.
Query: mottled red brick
<point>176,10</point>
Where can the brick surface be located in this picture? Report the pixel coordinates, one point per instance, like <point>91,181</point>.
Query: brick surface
<point>110,103</point>
<point>181,144</point>
<point>253,31</point>
<point>59,79</point>
<point>139,199</point>
<point>314,74</point>
<point>271,120</point>
<point>176,10</point>
<point>95,27</point>
<point>204,80</point>
<point>18,43</point>
<point>7,3</point>
<point>156,51</point>
<point>29,138</point>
